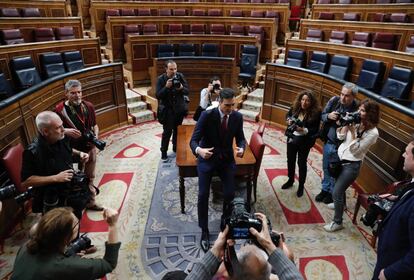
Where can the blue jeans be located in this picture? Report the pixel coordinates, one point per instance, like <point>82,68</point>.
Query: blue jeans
<point>330,154</point>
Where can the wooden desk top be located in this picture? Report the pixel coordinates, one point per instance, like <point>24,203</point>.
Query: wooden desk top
<point>186,158</point>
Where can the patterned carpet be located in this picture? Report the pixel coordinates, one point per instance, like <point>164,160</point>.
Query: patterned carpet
<point>156,237</point>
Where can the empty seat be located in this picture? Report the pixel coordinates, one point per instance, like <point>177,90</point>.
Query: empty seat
<point>282,2</point>
<point>242,1</point>
<point>112,13</point>
<point>11,36</point>
<point>399,17</point>
<point>197,29</point>
<point>248,64</point>
<point>64,33</point>
<point>324,1</point>
<point>175,28</point>
<point>256,14</point>
<point>380,17</point>
<point>338,37</point>
<point>383,1</point>
<point>404,1</point>
<point>398,84</point>
<point>270,1</point>
<point>44,34</point>
<point>351,17</point>
<point>384,41</point>
<point>340,67</point>
<point>199,13</point>
<point>361,39</point>
<point>410,45</point>
<point>236,13</point>
<point>345,1</point>
<point>30,12</point>
<point>210,50</point>
<point>326,16</point>
<point>272,14</point>
<point>165,50</point>
<point>229,1</point>
<point>372,73</point>
<point>237,30</point>
<point>215,13</point>
<point>72,61</point>
<point>130,29</point>
<point>318,62</point>
<point>128,12</point>
<point>256,31</point>
<point>149,29</point>
<point>9,12</point>
<point>6,89</point>
<point>255,1</point>
<point>314,35</point>
<point>296,58</point>
<point>179,12</point>
<point>24,72</point>
<point>51,64</point>
<point>145,12</point>
<point>186,50</point>
<point>164,12</point>
<point>217,28</point>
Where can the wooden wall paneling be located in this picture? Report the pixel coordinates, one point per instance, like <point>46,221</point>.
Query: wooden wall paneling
<point>49,8</point>
<point>142,49</point>
<point>384,161</point>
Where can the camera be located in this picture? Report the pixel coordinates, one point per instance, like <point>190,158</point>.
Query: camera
<point>241,220</point>
<point>80,180</point>
<point>215,88</point>
<point>7,192</point>
<point>378,207</point>
<point>349,118</point>
<point>176,82</point>
<point>24,196</point>
<point>292,127</point>
<point>81,243</point>
<point>91,138</point>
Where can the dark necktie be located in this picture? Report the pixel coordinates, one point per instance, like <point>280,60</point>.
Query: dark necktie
<point>223,127</point>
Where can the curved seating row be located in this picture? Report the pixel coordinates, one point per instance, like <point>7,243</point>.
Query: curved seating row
<point>41,34</point>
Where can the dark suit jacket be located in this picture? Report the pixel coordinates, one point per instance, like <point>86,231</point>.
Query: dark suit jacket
<point>207,134</point>
<point>396,241</point>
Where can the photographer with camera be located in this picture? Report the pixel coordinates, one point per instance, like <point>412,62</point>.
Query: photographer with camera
<point>358,133</point>
<point>47,167</point>
<point>172,95</point>
<point>336,106</point>
<point>79,120</point>
<point>250,262</point>
<point>303,121</point>
<point>206,96</point>
<point>395,253</point>
<point>45,255</point>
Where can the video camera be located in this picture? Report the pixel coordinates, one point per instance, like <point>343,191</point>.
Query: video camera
<point>10,191</point>
<point>91,138</point>
<point>292,127</point>
<point>81,243</point>
<point>176,82</point>
<point>378,207</point>
<point>349,118</point>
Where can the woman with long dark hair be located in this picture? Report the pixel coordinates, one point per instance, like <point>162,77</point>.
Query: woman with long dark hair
<point>303,121</point>
<point>357,139</point>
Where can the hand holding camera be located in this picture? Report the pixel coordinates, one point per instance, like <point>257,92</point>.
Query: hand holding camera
<point>64,176</point>
<point>264,236</point>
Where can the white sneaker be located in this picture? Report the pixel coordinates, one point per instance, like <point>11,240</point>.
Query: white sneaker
<point>332,226</point>
<point>332,206</point>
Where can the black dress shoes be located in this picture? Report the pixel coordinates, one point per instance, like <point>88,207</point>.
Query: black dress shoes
<point>299,192</point>
<point>205,242</point>
<point>287,185</point>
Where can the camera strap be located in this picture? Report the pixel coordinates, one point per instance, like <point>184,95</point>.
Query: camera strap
<point>230,260</point>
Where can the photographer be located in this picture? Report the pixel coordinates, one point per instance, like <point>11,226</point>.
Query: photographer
<point>395,254</point>
<point>358,134</point>
<point>79,119</point>
<point>206,96</point>
<point>336,106</point>
<point>171,90</point>
<point>44,257</point>
<point>47,167</point>
<point>303,121</point>
<point>252,264</point>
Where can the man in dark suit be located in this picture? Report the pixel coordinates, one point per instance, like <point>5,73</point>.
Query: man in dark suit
<point>212,143</point>
<point>395,258</point>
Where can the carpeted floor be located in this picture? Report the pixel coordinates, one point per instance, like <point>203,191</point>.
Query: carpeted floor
<point>156,237</point>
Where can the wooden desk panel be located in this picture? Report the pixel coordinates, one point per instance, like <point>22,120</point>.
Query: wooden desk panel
<point>49,8</point>
<point>98,9</point>
<point>404,31</point>
<point>142,49</point>
<point>197,71</point>
<point>383,164</point>
<point>89,48</point>
<point>367,11</point>
<point>358,54</point>
<point>115,30</point>
<point>27,25</point>
<point>187,162</point>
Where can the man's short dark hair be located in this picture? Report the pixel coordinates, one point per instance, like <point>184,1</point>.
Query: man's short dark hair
<point>168,62</point>
<point>215,78</point>
<point>175,275</point>
<point>226,93</point>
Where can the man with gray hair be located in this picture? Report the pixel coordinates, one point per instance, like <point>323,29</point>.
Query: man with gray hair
<point>47,167</point>
<point>336,106</point>
<point>79,119</point>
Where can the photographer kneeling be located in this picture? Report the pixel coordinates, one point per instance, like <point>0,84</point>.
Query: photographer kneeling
<point>43,257</point>
<point>251,263</point>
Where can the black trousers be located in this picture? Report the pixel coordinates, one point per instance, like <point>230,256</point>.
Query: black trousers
<point>301,152</point>
<point>170,127</point>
